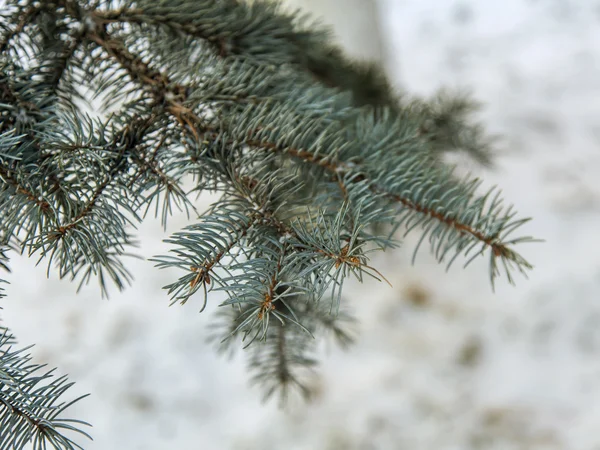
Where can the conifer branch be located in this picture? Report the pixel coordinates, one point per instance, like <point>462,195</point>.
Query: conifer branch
<point>149,77</point>
<point>201,248</point>
<point>312,154</point>
<point>8,178</point>
<point>126,140</point>
<point>29,413</point>
<point>303,48</point>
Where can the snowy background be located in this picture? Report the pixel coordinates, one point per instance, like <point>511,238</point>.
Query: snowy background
<point>441,362</point>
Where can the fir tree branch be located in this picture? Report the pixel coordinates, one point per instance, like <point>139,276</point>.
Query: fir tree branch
<point>148,164</point>
<point>448,128</point>
<point>238,97</point>
<point>29,412</point>
<point>304,49</point>
<point>90,230</point>
<point>327,64</point>
<point>159,83</point>
<point>353,175</point>
<point>284,377</point>
<point>28,409</point>
<point>125,141</point>
<point>8,178</point>
<point>141,72</point>
<point>337,167</point>
<point>202,247</point>
<point>282,362</point>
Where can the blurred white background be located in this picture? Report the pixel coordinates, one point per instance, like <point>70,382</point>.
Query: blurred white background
<point>441,362</point>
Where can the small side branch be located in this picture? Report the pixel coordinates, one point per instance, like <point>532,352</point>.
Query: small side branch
<point>29,408</point>
<point>127,140</point>
<point>7,177</point>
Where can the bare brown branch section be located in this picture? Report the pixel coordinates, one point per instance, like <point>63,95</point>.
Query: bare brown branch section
<point>270,296</point>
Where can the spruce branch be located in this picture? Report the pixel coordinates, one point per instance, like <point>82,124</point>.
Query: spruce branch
<point>317,160</point>
<point>202,246</point>
<point>29,408</point>
<point>262,32</point>
<point>467,232</point>
<point>287,38</point>
<point>31,411</point>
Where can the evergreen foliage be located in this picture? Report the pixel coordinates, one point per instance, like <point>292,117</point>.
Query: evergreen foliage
<point>107,107</point>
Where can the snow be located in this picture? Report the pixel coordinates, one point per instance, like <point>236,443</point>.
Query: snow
<point>441,362</point>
